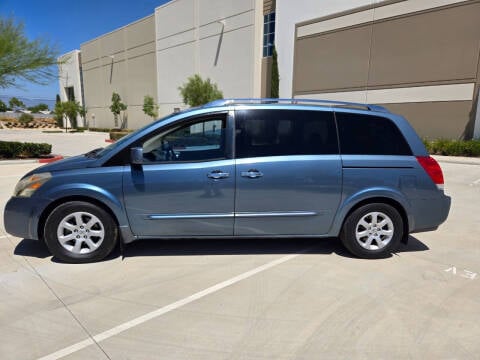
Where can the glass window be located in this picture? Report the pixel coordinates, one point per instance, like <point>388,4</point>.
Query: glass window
<point>370,135</point>
<point>268,34</point>
<point>199,141</point>
<point>284,132</point>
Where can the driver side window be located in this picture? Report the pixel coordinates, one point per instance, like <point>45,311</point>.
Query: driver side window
<point>203,140</point>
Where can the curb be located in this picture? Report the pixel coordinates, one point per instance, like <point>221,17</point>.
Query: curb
<point>51,159</point>
<point>457,160</point>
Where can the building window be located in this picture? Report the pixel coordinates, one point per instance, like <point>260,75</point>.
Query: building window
<point>70,93</point>
<point>268,34</point>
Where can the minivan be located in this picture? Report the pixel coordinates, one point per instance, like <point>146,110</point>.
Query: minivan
<point>240,168</point>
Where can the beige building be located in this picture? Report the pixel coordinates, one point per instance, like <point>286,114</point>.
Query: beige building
<point>70,81</point>
<point>218,39</point>
<point>122,61</point>
<point>417,58</point>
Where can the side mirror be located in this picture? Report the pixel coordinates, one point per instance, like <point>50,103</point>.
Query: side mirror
<point>136,156</point>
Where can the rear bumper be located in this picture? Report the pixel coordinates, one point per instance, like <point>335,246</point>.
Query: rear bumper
<point>429,214</point>
<point>21,216</point>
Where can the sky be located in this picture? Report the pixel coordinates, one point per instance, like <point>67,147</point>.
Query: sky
<point>67,24</point>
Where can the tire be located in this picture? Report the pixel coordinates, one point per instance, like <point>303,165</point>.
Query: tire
<point>80,232</point>
<point>372,231</point>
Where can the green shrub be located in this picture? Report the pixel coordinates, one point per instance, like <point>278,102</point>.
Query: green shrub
<point>100,129</point>
<point>453,147</point>
<point>15,149</point>
<point>25,118</point>
<point>115,135</point>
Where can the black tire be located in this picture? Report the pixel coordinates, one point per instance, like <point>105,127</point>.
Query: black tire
<point>105,223</point>
<point>348,233</point>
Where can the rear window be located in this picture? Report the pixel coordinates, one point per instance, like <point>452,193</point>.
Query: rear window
<point>370,135</point>
<point>266,132</point>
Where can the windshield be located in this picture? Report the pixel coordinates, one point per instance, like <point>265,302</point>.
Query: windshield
<point>121,141</point>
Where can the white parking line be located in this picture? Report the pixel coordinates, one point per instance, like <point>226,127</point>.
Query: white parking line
<point>476,182</point>
<point>166,309</point>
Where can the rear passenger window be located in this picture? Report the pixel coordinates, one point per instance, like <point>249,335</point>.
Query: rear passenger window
<point>284,132</point>
<point>370,135</point>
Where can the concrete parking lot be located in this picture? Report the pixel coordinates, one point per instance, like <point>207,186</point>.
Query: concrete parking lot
<point>249,299</point>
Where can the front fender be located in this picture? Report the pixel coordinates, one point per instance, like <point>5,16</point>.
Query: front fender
<point>110,199</point>
<point>374,194</point>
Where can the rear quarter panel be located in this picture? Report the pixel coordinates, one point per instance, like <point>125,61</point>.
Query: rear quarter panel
<point>399,178</point>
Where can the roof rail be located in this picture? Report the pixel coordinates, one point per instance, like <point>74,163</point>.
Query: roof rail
<point>331,103</point>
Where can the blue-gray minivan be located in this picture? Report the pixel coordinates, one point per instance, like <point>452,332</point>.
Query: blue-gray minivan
<point>251,168</point>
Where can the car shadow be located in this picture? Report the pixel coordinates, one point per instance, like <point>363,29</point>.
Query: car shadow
<point>186,247</point>
<point>32,248</point>
<point>195,247</point>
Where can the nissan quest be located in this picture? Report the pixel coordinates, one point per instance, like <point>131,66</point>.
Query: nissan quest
<point>241,168</point>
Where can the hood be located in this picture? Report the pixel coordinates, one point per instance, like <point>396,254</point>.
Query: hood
<point>75,162</point>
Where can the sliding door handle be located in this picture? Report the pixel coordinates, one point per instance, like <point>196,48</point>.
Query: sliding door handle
<point>252,174</point>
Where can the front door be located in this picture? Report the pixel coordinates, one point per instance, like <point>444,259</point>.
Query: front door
<point>186,184</point>
<point>288,172</point>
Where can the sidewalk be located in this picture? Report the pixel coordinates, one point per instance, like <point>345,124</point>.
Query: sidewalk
<point>457,159</point>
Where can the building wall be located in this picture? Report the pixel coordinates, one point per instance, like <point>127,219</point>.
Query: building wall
<point>290,13</point>
<point>219,39</point>
<point>70,75</point>
<point>419,59</point>
<point>121,61</point>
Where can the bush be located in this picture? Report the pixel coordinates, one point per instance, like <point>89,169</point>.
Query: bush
<point>115,135</point>
<point>15,149</point>
<point>98,129</point>
<point>196,91</point>
<point>453,147</point>
<point>25,118</point>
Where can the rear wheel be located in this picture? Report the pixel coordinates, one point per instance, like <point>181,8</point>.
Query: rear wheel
<point>372,231</point>
<point>79,232</point>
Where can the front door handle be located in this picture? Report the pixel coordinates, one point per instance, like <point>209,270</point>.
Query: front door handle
<point>252,174</point>
<point>218,174</point>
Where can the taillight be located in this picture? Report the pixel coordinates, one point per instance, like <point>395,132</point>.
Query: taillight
<point>431,167</point>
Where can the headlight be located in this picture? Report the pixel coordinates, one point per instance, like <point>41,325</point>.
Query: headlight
<point>26,187</point>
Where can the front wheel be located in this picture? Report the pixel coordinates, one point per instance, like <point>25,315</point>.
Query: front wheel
<point>372,231</point>
<point>79,232</point>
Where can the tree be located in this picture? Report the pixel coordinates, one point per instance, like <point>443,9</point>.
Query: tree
<point>150,108</point>
<point>3,106</point>
<point>275,82</point>
<point>68,109</point>
<point>71,109</point>
<point>38,108</point>
<point>197,91</point>
<point>83,113</point>
<point>117,107</point>
<point>22,59</point>
<point>16,103</point>
<point>58,111</point>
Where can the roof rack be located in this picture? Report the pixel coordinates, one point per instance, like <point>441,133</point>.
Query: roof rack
<point>330,103</point>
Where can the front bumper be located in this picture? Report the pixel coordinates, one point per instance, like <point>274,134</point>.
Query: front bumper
<point>21,216</point>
